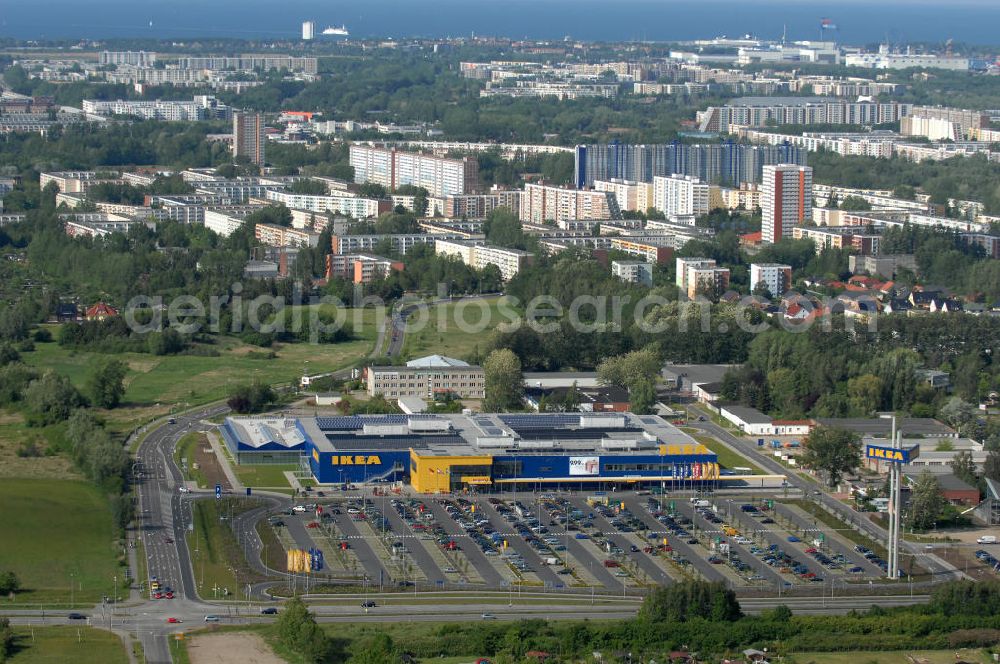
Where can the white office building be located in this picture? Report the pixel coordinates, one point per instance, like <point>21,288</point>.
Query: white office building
<point>308,30</point>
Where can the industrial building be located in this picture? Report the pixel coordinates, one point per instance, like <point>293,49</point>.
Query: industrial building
<point>445,453</point>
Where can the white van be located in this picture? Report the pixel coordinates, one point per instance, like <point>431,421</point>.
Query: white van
<point>987,539</point>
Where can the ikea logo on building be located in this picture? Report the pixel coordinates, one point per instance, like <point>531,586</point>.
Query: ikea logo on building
<point>889,454</point>
<point>356,460</point>
<point>316,456</point>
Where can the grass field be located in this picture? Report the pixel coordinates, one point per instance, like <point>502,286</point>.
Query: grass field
<point>52,532</point>
<point>892,657</point>
<point>264,476</point>
<point>195,379</point>
<point>185,459</point>
<point>216,556</point>
<point>57,645</point>
<point>441,334</point>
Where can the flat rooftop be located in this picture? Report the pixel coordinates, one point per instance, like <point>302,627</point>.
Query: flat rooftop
<point>882,427</point>
<point>498,434</point>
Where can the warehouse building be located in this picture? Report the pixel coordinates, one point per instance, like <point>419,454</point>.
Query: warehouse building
<point>443,453</point>
<point>263,440</point>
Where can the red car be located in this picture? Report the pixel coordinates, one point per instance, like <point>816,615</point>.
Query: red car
<point>611,563</point>
<point>811,550</point>
<point>169,595</point>
<point>312,524</point>
<point>157,595</point>
<point>173,621</point>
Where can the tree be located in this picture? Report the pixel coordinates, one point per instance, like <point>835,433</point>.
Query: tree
<point>627,370</point>
<point>372,190</point>
<point>832,451</point>
<point>991,467</point>
<point>504,382</point>
<point>855,203</point>
<point>251,398</point>
<point>965,468</point>
<point>642,396</point>
<point>958,413</point>
<point>51,399</point>
<point>106,385</point>
<point>299,632</point>
<point>687,600</point>
<point>9,582</point>
<point>926,501</point>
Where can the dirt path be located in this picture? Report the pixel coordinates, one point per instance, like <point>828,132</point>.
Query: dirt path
<point>232,647</point>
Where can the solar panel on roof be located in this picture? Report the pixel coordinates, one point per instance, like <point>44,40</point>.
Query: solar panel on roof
<point>345,422</point>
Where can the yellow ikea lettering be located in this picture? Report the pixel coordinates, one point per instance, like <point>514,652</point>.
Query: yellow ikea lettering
<point>357,460</point>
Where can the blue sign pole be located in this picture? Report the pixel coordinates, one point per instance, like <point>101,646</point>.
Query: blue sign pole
<point>218,491</point>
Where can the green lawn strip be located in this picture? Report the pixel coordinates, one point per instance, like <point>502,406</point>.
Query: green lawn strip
<point>66,643</point>
<point>217,557</point>
<point>55,532</point>
<point>184,457</point>
<point>265,476</point>
<point>727,457</point>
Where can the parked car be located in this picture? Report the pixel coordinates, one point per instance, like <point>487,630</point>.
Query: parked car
<point>269,611</point>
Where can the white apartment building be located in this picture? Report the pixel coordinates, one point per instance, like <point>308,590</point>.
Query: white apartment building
<point>392,169</point>
<point>636,272</point>
<point>478,254</point>
<point>786,200</point>
<point>361,244</point>
<point>541,203</point>
<point>631,196</point>
<point>682,275</point>
<point>777,278</point>
<point>202,107</point>
<point>133,58</point>
<point>282,236</point>
<point>77,182</point>
<point>224,223</point>
<point>351,206</point>
<point>680,195</point>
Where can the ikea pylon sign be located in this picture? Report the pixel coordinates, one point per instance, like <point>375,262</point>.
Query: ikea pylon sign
<point>890,455</point>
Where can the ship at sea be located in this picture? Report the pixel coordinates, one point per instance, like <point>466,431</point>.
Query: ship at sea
<point>335,31</point>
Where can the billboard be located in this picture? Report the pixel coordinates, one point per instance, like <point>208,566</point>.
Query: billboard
<point>589,466</point>
<point>890,455</point>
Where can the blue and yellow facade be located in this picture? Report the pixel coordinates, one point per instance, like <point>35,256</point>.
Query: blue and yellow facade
<point>440,454</point>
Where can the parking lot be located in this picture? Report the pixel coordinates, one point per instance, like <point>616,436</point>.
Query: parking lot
<point>572,540</point>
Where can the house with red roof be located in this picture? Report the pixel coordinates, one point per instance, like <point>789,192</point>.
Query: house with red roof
<point>101,311</point>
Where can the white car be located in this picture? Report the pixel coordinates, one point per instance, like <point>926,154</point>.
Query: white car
<point>299,508</point>
<point>183,489</point>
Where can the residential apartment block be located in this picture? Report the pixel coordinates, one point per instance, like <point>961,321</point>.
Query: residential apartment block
<point>351,206</point>
<point>680,195</point>
<point>283,236</point>
<point>474,206</point>
<point>360,244</point>
<point>632,196</point>
<point>393,168</point>
<point>478,254</point>
<point>786,200</point>
<point>729,162</point>
<point>633,271</point>
<point>775,277</point>
<point>360,268</point>
<point>541,203</point>
<point>248,137</point>
<point>764,111</point>
<point>202,107</point>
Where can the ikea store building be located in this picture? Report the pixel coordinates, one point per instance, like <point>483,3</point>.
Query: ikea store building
<point>445,453</point>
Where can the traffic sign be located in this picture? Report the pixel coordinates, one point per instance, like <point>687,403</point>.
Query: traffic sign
<point>218,491</point>
<point>249,491</point>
